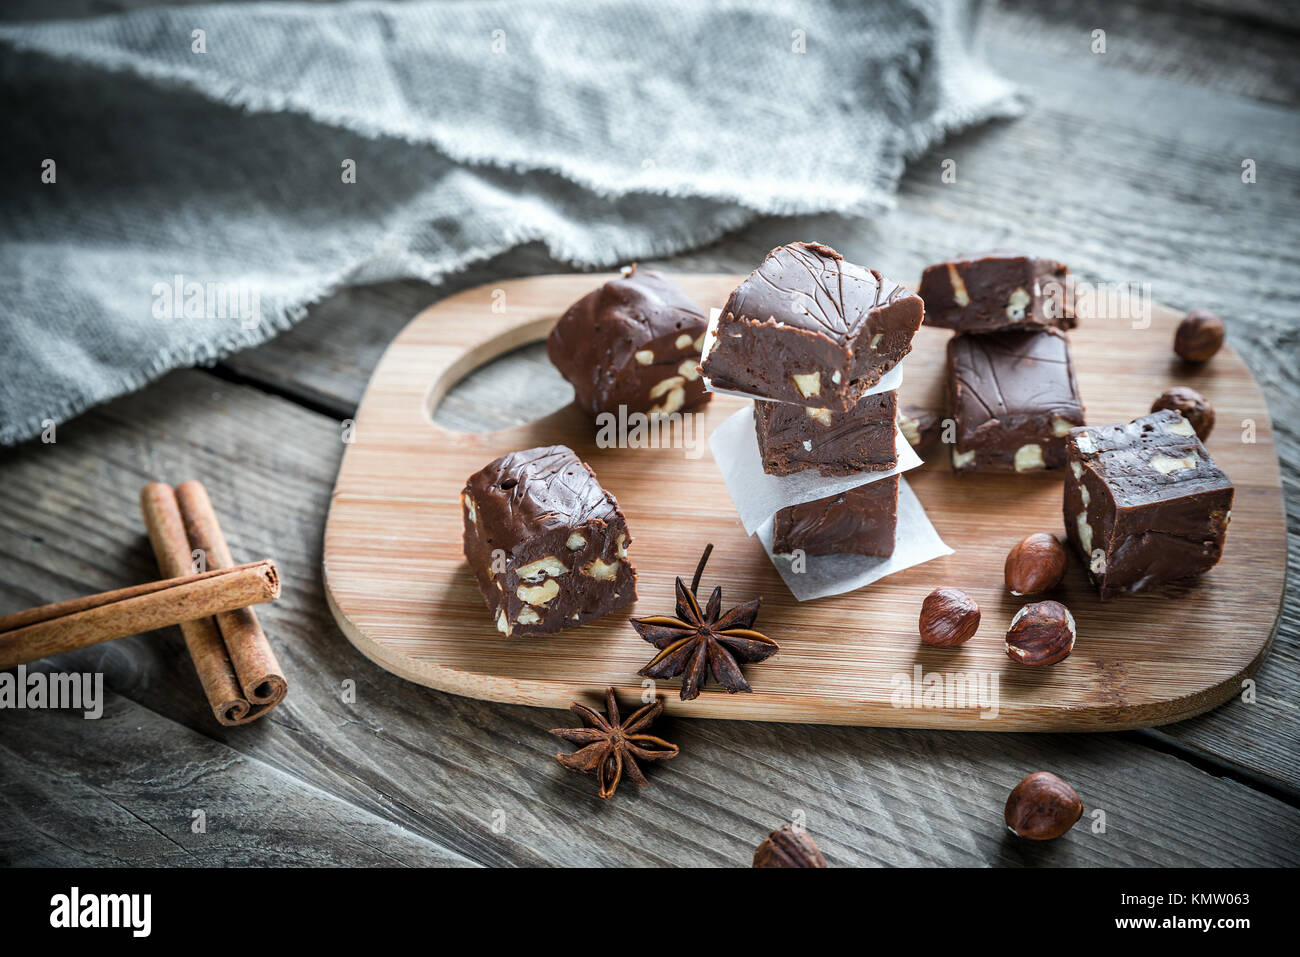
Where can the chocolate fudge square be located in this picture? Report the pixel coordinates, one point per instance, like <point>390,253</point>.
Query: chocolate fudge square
<point>1144,503</point>
<point>792,438</point>
<point>633,342</point>
<point>861,521</point>
<point>546,543</point>
<point>996,292</point>
<point>1013,398</point>
<point>806,327</point>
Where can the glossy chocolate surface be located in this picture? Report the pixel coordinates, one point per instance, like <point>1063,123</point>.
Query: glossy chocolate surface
<point>636,342</point>
<point>562,540</point>
<point>998,292</point>
<point>1014,398</point>
<point>809,328</point>
<point>1144,502</point>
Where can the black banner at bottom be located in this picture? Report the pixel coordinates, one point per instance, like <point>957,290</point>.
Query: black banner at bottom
<point>335,907</point>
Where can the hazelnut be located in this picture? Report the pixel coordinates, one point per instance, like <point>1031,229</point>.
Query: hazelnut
<point>1042,807</point>
<point>1199,336</point>
<point>1041,634</point>
<point>1194,407</point>
<point>788,846</point>
<point>949,616</point>
<point>1034,565</point>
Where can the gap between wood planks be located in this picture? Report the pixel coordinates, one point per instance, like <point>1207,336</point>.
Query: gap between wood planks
<point>1153,738</point>
<point>321,405</point>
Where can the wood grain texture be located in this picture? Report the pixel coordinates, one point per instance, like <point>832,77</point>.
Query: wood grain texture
<point>127,801</point>
<point>1127,168</point>
<point>404,595</point>
<point>476,778</point>
<point>1162,40</point>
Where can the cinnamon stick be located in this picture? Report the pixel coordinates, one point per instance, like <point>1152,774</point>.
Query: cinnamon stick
<point>29,635</point>
<point>255,664</point>
<point>162,519</point>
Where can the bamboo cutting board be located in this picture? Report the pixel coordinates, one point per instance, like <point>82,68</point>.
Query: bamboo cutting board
<point>399,586</point>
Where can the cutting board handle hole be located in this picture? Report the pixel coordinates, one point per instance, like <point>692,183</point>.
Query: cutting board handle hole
<point>479,391</point>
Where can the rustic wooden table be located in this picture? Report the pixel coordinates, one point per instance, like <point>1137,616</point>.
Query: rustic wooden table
<point>1128,168</point>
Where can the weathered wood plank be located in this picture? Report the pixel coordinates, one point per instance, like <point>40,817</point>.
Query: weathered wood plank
<point>111,791</point>
<point>446,769</point>
<point>1222,46</point>
<point>1259,737</point>
<point>1142,147</point>
<point>1150,145</point>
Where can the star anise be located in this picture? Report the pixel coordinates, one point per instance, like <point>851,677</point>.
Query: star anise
<point>702,641</point>
<point>611,745</point>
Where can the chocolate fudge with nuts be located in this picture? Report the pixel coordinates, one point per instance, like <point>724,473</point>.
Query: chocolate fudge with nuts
<point>792,438</point>
<point>1144,502</point>
<point>996,292</point>
<point>1013,398</point>
<point>546,543</point>
<point>633,342</point>
<point>919,425</point>
<point>806,327</point>
<point>861,521</point>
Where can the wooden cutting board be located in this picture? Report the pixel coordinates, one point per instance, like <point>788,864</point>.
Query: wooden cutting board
<point>398,584</point>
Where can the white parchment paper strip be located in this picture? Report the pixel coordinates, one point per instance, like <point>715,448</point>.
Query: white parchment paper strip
<point>758,496</point>
<point>826,575</point>
<point>889,382</point>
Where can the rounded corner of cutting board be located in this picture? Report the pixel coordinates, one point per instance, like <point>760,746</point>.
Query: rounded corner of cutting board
<point>399,665</point>
<point>435,349</point>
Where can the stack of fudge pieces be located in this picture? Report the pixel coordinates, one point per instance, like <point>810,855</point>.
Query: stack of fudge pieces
<point>812,335</point>
<point>1011,387</point>
<point>1144,502</point>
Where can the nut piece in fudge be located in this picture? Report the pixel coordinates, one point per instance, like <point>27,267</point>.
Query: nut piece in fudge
<point>792,438</point>
<point>546,543</point>
<point>1144,503</point>
<point>919,425</point>
<point>861,521</point>
<point>1013,398</point>
<point>809,328</point>
<point>633,342</point>
<point>998,291</point>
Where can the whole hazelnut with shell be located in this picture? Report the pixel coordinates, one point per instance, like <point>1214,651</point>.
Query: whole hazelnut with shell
<point>1199,336</point>
<point>1035,564</point>
<point>788,846</point>
<point>949,617</point>
<point>1041,634</point>
<point>1042,807</point>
